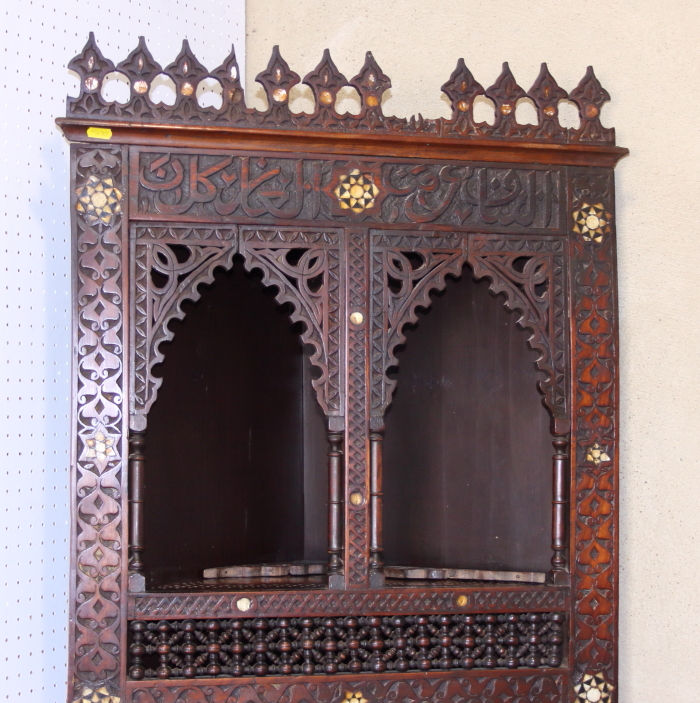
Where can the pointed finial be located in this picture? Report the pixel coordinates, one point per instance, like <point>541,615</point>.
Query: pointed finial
<point>546,94</point>
<point>277,80</point>
<point>462,89</point>
<point>590,96</point>
<point>140,68</point>
<point>325,81</point>
<point>505,93</point>
<point>229,75</point>
<point>187,72</point>
<point>371,83</point>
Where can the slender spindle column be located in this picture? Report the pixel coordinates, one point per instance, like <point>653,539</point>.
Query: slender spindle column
<point>137,443</point>
<point>335,510</point>
<point>376,559</point>
<point>559,507</point>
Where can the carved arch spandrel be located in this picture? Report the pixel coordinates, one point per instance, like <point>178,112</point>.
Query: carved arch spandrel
<point>170,263</point>
<point>529,272</point>
<point>310,281</point>
<point>183,258</point>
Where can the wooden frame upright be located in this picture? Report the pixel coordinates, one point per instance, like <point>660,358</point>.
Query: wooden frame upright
<point>234,180</point>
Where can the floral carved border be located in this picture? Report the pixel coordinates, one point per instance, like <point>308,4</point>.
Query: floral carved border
<point>100,241</point>
<point>594,458</point>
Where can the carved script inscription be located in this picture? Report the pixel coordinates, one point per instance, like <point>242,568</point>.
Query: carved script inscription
<point>226,187</point>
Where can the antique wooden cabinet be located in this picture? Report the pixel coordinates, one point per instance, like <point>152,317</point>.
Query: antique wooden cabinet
<point>345,397</point>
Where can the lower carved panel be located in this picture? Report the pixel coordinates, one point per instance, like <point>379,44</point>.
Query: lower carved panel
<point>351,645</point>
<point>531,687</point>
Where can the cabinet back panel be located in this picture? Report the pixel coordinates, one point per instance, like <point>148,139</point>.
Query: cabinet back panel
<point>467,451</point>
<point>225,452</point>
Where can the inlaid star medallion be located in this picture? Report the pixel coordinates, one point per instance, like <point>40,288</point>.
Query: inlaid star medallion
<point>97,695</point>
<point>100,448</point>
<point>593,689</point>
<point>596,454</point>
<point>356,191</point>
<point>99,200</point>
<point>592,222</point>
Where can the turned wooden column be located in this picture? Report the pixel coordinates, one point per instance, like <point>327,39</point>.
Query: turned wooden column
<point>137,460</point>
<point>376,559</point>
<point>335,510</point>
<point>559,508</point>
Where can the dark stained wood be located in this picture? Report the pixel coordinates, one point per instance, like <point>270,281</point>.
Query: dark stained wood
<point>225,436</point>
<point>390,145</point>
<point>467,454</point>
<point>269,438</point>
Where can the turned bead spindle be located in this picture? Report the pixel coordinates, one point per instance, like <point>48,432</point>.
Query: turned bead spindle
<point>335,504</point>
<point>376,560</point>
<point>559,504</point>
<point>137,442</point>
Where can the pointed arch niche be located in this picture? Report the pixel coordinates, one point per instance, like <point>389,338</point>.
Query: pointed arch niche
<point>469,384</point>
<point>235,384</point>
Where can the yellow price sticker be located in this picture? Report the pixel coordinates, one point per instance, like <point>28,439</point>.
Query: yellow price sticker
<point>99,132</point>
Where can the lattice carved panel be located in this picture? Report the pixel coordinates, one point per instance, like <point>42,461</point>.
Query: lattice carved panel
<point>338,645</point>
<point>530,272</point>
<point>169,264</point>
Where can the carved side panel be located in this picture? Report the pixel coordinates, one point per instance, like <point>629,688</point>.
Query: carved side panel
<point>595,457</point>
<point>306,268</point>
<point>405,269</point>
<point>356,439</point>
<point>531,273</point>
<point>504,688</point>
<point>99,234</point>
<point>169,263</point>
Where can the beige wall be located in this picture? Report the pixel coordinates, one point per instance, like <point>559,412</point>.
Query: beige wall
<point>647,54</point>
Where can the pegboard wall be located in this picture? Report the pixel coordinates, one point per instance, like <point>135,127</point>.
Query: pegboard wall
<point>40,38</point>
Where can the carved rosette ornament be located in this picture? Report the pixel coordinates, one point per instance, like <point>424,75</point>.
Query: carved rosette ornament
<point>593,689</point>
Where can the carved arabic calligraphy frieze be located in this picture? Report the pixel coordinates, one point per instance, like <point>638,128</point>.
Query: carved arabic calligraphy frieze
<point>238,186</point>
